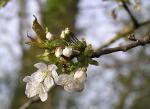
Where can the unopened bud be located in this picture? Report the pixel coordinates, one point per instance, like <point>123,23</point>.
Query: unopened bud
<point>58,52</point>
<point>67,51</point>
<point>67,31</point>
<point>49,36</point>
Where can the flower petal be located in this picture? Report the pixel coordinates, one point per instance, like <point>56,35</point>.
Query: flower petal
<point>42,93</point>
<point>69,87</point>
<point>48,83</point>
<point>52,67</point>
<point>38,76</point>
<point>78,86</point>
<point>31,90</point>
<point>41,66</point>
<point>27,79</point>
<point>80,76</point>
<point>62,79</point>
<point>55,75</point>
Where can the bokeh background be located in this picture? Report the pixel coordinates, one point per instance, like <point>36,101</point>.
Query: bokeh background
<point>121,81</point>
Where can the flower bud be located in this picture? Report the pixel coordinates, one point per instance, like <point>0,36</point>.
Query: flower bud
<point>58,52</point>
<point>67,31</point>
<point>49,36</point>
<point>67,51</point>
<point>62,34</point>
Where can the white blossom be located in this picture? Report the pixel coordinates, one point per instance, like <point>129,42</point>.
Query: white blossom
<point>67,51</point>
<point>58,52</point>
<point>72,82</point>
<point>34,88</point>
<point>49,36</point>
<point>66,81</point>
<point>40,82</point>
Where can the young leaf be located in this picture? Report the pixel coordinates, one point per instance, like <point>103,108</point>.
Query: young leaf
<point>55,43</point>
<point>88,51</point>
<point>38,29</point>
<point>92,62</point>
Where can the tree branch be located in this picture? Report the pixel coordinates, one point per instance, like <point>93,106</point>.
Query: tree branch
<point>136,25</point>
<point>144,41</point>
<point>123,33</point>
<point>27,104</point>
<point>134,20</point>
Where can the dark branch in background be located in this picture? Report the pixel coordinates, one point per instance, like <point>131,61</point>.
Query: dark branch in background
<point>135,22</point>
<point>142,42</point>
<point>27,104</point>
<point>123,33</point>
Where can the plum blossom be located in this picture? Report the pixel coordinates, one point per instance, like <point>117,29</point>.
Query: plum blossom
<point>40,82</point>
<point>34,88</point>
<point>67,51</point>
<point>72,82</point>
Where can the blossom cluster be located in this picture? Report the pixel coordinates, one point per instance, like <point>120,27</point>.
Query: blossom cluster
<point>67,60</point>
<point>40,82</point>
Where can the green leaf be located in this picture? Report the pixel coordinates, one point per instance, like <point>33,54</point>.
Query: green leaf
<point>93,62</point>
<point>55,43</point>
<point>83,61</point>
<point>88,51</point>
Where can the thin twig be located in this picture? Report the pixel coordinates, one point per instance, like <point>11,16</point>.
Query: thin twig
<point>123,34</point>
<point>134,20</point>
<point>124,48</point>
<point>28,103</point>
<point>136,25</point>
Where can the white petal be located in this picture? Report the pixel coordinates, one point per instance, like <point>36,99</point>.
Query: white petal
<point>62,79</point>
<point>54,75</point>
<point>41,66</point>
<point>38,76</point>
<point>48,83</point>
<point>69,87</point>
<point>31,90</point>
<point>80,76</point>
<point>79,86</point>
<point>67,51</point>
<point>52,67</point>
<point>42,93</point>
<point>27,79</point>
